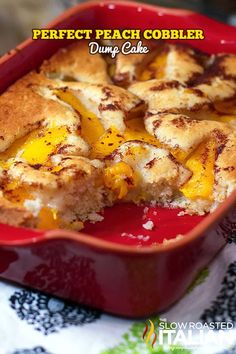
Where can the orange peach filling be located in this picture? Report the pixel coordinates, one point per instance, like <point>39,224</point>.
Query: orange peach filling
<point>103,143</point>
<point>18,194</point>
<point>37,146</point>
<point>120,178</point>
<point>91,127</point>
<point>155,70</point>
<point>48,219</point>
<point>112,139</point>
<point>201,164</point>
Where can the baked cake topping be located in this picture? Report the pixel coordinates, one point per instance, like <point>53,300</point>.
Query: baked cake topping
<point>84,132</point>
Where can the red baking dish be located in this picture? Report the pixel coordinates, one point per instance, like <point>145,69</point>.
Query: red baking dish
<point>103,269</point>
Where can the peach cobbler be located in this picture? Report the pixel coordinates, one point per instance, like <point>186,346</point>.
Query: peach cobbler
<point>86,131</point>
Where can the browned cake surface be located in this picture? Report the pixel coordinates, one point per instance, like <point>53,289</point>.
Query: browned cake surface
<point>85,131</point>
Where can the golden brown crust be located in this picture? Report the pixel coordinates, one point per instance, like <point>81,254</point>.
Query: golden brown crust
<point>182,64</point>
<point>26,106</point>
<point>225,65</point>
<point>218,89</point>
<point>15,215</point>
<point>21,110</point>
<point>40,177</point>
<point>128,67</point>
<point>74,63</point>
<point>72,187</point>
<point>178,62</point>
<point>112,104</point>
<point>156,166</point>
<point>225,168</point>
<point>219,80</point>
<point>177,116</point>
<point>180,132</point>
<point>169,96</point>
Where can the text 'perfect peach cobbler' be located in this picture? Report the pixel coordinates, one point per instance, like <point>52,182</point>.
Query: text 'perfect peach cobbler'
<point>87,131</point>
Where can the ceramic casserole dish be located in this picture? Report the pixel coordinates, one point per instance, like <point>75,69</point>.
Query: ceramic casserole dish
<point>111,273</point>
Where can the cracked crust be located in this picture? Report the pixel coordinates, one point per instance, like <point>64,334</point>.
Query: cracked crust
<point>72,186</point>
<point>40,177</point>
<point>181,114</point>
<point>180,132</point>
<point>225,168</point>
<point>26,106</point>
<point>183,64</point>
<point>74,63</point>
<point>112,104</point>
<point>157,168</point>
<point>179,63</point>
<point>170,96</point>
<point>128,67</point>
<point>219,80</point>
<point>15,215</point>
<point>175,62</point>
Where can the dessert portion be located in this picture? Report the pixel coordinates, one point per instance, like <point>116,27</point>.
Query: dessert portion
<point>87,131</point>
<point>167,62</point>
<point>65,65</point>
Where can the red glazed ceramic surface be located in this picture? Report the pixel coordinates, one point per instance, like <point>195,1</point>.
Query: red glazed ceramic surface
<point>125,275</point>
